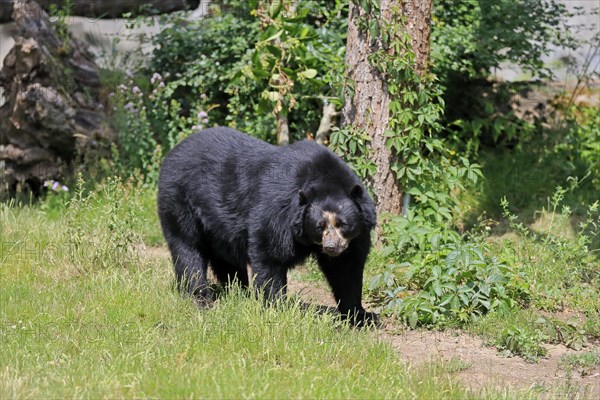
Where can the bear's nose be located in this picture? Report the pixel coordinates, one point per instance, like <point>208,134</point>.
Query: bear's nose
<point>332,250</point>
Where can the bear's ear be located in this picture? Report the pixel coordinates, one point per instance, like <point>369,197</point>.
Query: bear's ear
<point>356,191</point>
<point>302,197</point>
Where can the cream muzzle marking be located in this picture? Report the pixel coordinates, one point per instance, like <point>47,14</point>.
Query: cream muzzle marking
<point>334,242</point>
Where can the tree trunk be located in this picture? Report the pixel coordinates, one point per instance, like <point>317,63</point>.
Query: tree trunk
<point>107,8</point>
<point>368,108</point>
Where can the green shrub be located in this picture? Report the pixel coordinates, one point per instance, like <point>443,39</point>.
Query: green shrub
<point>239,61</point>
<point>583,362</point>
<point>471,38</point>
<point>523,342</point>
<point>435,279</point>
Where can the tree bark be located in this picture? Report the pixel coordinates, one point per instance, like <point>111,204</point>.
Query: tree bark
<point>107,8</point>
<point>368,108</point>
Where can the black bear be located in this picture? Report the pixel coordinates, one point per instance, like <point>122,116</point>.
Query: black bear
<point>230,201</point>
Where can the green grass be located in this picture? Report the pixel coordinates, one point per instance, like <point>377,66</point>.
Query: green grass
<point>583,362</point>
<point>87,311</point>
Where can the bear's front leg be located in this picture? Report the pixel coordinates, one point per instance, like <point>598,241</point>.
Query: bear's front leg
<point>269,280</point>
<point>345,276</point>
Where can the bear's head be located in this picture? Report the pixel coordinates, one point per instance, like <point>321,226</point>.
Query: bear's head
<point>333,218</point>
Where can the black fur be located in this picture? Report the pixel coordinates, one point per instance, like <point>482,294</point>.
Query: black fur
<point>231,200</point>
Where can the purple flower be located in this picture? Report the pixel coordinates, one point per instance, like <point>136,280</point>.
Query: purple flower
<point>64,188</point>
<point>155,77</point>
<point>128,106</point>
<point>136,90</point>
<point>202,114</point>
<point>55,185</point>
<point>205,121</point>
<point>197,127</point>
<point>161,84</point>
<point>48,183</point>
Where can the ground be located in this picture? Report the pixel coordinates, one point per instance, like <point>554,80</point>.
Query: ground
<point>477,366</point>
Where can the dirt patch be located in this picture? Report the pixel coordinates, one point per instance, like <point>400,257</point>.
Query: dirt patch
<point>484,367</point>
<point>310,292</point>
<point>478,366</point>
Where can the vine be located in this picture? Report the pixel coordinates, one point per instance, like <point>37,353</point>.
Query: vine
<point>424,165</point>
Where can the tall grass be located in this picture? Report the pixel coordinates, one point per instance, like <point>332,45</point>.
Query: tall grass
<point>88,310</point>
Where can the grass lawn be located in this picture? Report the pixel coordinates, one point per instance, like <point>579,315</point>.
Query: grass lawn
<point>86,311</point>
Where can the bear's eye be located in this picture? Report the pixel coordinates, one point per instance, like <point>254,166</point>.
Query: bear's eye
<point>321,226</point>
<point>341,224</point>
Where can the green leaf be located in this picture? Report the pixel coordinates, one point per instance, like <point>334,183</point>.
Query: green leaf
<point>309,73</point>
<point>413,319</point>
<point>275,36</point>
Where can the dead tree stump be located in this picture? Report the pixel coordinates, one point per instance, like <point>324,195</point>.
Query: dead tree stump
<point>53,119</point>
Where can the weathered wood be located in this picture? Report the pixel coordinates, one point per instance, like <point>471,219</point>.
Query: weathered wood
<point>53,116</point>
<point>107,8</point>
<point>327,122</point>
<point>368,108</point>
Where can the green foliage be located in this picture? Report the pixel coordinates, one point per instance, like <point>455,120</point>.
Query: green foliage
<point>110,244</point>
<point>584,363</point>
<point>198,61</point>
<point>438,280</point>
<point>470,38</point>
<point>136,139</point>
<point>563,153</point>
<point>434,277</point>
<point>580,141</point>
<point>294,59</point>
<point>568,333</point>
<point>527,340</point>
<point>519,341</point>
<point>59,16</point>
<point>354,145</point>
<point>252,65</point>
<point>558,266</point>
<point>149,123</point>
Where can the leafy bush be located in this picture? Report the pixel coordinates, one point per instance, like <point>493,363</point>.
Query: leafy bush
<point>520,341</point>
<point>224,70</point>
<point>580,141</point>
<point>255,62</point>
<point>436,279</point>
<point>471,38</point>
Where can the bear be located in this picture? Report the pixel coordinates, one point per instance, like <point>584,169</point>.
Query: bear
<point>238,204</point>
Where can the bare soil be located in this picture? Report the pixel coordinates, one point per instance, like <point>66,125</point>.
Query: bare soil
<point>478,366</point>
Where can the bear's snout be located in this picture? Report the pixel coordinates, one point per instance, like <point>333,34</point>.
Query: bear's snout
<point>334,246</point>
